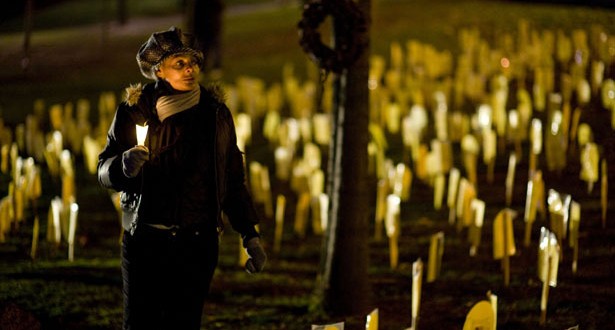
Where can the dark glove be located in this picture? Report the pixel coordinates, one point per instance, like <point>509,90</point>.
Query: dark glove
<point>257,256</point>
<point>133,159</point>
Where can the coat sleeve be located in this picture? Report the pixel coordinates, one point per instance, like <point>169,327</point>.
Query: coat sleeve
<point>238,204</point>
<point>121,137</point>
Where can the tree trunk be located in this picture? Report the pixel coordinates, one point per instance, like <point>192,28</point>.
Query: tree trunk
<point>343,287</point>
<point>204,21</point>
<point>28,14</point>
<point>106,13</point>
<point>122,12</point>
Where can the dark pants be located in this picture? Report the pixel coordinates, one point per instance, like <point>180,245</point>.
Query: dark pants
<point>166,277</point>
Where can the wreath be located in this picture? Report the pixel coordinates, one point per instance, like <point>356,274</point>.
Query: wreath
<point>350,33</point>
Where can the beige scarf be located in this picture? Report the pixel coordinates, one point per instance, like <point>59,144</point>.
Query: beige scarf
<point>168,105</point>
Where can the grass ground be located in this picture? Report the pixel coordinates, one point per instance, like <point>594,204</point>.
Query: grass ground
<point>69,63</point>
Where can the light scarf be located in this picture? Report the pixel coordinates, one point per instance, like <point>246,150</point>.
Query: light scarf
<point>168,105</point>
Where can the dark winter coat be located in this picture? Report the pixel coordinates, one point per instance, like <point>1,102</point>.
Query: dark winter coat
<point>195,170</point>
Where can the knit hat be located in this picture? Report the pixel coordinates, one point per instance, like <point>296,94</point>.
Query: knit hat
<point>161,45</point>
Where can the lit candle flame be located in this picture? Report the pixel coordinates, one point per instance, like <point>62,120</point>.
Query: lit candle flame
<point>141,134</point>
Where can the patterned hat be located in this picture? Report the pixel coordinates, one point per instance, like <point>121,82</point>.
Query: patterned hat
<point>159,46</point>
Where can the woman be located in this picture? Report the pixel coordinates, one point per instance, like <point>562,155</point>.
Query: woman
<point>174,187</point>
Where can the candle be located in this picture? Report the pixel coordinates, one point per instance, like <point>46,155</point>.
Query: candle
<point>141,134</point>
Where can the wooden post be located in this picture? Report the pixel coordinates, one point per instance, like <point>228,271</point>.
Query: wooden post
<point>489,152</point>
<point>533,201</point>
<point>544,297</point>
<point>393,228</point>
<point>510,178</point>
<point>301,214</point>
<point>451,200</point>
<point>493,299</point>
<point>503,240</point>
<point>72,228</point>
<point>474,232</point>
<point>436,250</point>
<point>438,194</point>
<point>536,145</point>
<point>381,207</point>
<point>417,282</point>
<point>604,201</point>
<point>35,235</point>
<point>279,223</point>
<point>506,258</point>
<point>575,219</point>
<point>548,260</point>
<point>372,320</point>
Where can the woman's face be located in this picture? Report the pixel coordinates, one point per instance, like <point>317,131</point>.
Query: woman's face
<point>181,71</point>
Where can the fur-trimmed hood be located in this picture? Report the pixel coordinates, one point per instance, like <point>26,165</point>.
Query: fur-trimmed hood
<point>133,93</point>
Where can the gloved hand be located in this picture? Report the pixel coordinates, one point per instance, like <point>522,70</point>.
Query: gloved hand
<point>257,256</point>
<point>133,159</point>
